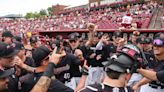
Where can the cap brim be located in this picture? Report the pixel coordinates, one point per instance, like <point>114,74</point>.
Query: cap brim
<point>136,34</point>
<point>7,73</point>
<point>116,68</point>
<point>108,62</point>
<point>105,63</point>
<point>148,43</point>
<point>71,40</point>
<point>13,53</point>
<point>61,40</point>
<point>158,45</point>
<point>18,49</point>
<point>113,67</point>
<point>141,42</point>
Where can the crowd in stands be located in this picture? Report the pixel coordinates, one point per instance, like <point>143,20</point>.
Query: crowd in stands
<point>106,18</point>
<point>162,19</point>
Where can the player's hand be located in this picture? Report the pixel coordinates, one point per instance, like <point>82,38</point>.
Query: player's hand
<point>91,27</point>
<point>98,57</point>
<point>136,88</point>
<point>92,55</point>
<point>104,39</point>
<point>18,62</point>
<point>122,42</point>
<point>55,57</point>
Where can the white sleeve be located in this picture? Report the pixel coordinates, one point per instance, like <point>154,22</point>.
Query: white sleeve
<point>99,45</point>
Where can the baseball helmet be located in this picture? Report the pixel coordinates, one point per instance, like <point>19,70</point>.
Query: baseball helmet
<point>126,60</point>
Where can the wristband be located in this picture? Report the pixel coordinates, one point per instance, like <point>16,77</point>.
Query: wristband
<point>49,71</point>
<point>84,71</point>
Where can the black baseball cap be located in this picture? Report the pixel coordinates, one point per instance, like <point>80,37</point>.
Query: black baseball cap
<point>159,39</point>
<point>73,37</point>
<point>55,43</point>
<point>6,73</point>
<point>39,54</point>
<point>7,34</point>
<point>60,38</point>
<point>140,39</point>
<point>18,38</point>
<point>148,40</point>
<point>33,39</point>
<point>159,35</point>
<point>7,50</point>
<point>118,34</point>
<point>18,46</point>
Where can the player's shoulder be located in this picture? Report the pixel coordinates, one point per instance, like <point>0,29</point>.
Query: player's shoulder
<point>93,88</point>
<point>102,87</point>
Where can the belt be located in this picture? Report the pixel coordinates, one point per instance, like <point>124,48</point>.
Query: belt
<point>156,86</point>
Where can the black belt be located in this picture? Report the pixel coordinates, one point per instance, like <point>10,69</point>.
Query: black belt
<point>156,86</point>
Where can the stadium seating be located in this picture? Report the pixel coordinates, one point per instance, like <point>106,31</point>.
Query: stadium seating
<point>104,18</point>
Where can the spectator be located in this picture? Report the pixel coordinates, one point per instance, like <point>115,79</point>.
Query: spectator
<point>127,20</point>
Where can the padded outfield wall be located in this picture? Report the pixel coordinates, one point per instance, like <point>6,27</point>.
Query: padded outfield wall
<point>126,33</point>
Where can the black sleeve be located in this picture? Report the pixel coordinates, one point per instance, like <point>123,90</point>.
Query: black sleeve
<point>105,52</point>
<point>85,51</point>
<point>57,86</point>
<point>160,75</point>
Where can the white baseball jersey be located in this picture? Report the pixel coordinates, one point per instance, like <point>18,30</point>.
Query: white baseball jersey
<point>127,20</point>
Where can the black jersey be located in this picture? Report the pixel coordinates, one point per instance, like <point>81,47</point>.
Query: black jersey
<point>160,76</point>
<point>151,59</point>
<point>55,85</point>
<point>64,70</point>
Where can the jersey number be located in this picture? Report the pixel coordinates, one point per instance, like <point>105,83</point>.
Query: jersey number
<point>66,75</point>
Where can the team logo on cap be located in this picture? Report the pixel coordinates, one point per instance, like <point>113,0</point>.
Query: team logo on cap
<point>13,44</point>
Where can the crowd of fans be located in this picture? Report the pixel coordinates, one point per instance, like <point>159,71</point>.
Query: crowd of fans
<point>106,18</point>
<point>162,19</point>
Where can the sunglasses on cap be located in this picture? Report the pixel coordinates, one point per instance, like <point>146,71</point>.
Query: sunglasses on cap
<point>158,42</point>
